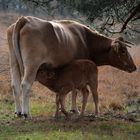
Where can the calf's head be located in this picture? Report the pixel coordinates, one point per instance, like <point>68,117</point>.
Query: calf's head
<point>119,56</point>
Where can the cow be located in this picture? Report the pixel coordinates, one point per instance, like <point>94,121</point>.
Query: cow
<point>33,42</point>
<point>77,75</point>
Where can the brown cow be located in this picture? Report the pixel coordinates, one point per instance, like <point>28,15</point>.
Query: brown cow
<point>76,75</point>
<point>33,41</point>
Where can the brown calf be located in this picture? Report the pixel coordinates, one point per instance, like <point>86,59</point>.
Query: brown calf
<point>77,75</point>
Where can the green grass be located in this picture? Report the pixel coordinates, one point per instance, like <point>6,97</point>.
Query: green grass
<point>50,129</point>
<point>44,127</point>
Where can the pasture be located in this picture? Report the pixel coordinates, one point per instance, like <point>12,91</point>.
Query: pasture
<point>119,94</point>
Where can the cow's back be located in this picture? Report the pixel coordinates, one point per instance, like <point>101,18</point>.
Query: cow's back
<point>56,42</point>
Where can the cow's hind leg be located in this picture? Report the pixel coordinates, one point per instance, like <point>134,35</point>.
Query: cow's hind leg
<point>28,79</point>
<point>15,84</point>
<point>15,72</point>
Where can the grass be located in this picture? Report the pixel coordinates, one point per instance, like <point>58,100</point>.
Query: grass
<point>44,127</point>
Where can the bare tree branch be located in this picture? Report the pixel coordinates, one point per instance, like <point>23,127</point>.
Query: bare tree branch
<point>136,10</point>
<point>40,3</point>
<point>136,18</point>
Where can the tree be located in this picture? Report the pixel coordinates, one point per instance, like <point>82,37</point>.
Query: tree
<point>4,4</point>
<point>104,9</point>
<point>134,14</point>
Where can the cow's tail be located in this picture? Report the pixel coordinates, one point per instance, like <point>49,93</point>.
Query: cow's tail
<point>16,39</point>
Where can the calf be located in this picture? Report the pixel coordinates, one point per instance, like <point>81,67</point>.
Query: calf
<point>76,75</point>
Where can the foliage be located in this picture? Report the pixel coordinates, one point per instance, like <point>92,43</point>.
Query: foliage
<point>110,12</point>
<point>94,8</point>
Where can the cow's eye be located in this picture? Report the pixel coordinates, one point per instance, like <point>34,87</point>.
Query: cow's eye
<point>123,51</point>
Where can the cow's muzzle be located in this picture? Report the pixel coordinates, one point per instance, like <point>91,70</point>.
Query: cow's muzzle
<point>131,69</point>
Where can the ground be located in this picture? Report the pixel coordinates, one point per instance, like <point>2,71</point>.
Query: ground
<point>119,94</point>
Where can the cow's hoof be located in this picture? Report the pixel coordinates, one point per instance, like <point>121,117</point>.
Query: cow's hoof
<point>18,114</point>
<point>25,116</point>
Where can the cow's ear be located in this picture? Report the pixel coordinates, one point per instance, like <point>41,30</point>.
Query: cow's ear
<point>119,39</point>
<point>127,43</point>
<point>115,46</point>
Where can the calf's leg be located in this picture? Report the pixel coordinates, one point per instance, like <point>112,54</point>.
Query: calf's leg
<point>62,102</point>
<point>95,98</point>
<point>57,105</point>
<point>85,93</point>
<point>96,101</point>
<point>74,108</point>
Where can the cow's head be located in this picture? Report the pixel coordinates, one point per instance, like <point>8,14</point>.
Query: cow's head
<point>120,57</point>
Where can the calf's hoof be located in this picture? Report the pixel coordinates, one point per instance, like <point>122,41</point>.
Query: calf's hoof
<point>73,111</point>
<point>68,116</point>
<point>56,117</point>
<point>94,115</point>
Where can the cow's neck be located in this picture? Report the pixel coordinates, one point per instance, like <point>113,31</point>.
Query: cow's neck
<point>99,47</point>
<point>101,59</point>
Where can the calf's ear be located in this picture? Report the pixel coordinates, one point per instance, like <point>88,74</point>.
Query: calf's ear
<point>50,75</point>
